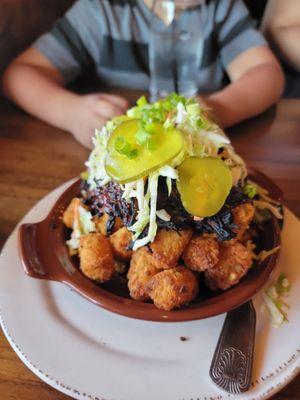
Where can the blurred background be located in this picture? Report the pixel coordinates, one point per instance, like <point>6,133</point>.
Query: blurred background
<point>22,21</point>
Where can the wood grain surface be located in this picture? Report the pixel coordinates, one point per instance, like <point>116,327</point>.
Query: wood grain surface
<point>22,21</point>
<point>35,158</point>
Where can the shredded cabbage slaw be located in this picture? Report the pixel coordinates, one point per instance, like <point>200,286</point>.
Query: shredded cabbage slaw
<point>275,300</point>
<point>202,138</point>
<point>82,225</point>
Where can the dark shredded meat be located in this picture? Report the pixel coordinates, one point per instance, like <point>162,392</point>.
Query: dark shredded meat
<point>109,199</point>
<point>110,224</point>
<point>173,205</point>
<point>236,197</point>
<point>222,223</point>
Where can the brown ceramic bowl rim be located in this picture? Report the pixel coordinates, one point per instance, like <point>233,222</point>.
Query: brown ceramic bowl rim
<point>44,255</point>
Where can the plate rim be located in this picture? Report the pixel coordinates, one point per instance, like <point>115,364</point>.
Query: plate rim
<point>292,371</point>
<point>77,394</point>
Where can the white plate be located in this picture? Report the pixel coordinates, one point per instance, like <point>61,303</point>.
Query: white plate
<point>89,353</point>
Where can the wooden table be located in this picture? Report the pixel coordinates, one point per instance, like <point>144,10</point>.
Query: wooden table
<point>35,158</point>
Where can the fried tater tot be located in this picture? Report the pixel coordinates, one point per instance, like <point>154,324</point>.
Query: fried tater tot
<point>172,288</point>
<point>168,246</point>
<point>101,224</point>
<point>120,241</point>
<point>96,257</point>
<point>242,216</point>
<point>201,253</point>
<point>69,214</point>
<point>234,262</point>
<point>143,267</point>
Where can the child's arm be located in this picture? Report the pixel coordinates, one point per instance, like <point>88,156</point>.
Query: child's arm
<point>33,83</point>
<point>257,83</point>
<point>281,24</point>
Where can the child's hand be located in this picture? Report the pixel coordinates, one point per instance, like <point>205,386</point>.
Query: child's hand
<point>93,111</point>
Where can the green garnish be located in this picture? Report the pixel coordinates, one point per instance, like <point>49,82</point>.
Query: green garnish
<point>149,134</point>
<point>142,101</point>
<point>164,110</point>
<point>282,285</point>
<point>250,190</point>
<point>122,146</point>
<point>142,136</point>
<point>156,150</point>
<point>133,154</point>
<point>84,175</point>
<point>151,145</point>
<point>274,298</point>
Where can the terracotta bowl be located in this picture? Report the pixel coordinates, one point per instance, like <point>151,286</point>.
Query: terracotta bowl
<point>44,255</point>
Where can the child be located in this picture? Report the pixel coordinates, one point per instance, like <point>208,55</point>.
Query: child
<point>111,38</point>
<point>281,24</point>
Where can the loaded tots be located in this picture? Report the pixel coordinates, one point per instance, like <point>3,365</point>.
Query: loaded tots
<point>166,202</point>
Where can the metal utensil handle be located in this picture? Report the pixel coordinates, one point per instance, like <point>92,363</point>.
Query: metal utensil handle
<point>231,367</point>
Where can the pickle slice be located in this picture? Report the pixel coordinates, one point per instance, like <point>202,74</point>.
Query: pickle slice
<point>204,184</point>
<point>133,152</point>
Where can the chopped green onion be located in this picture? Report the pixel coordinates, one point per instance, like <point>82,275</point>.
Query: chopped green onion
<point>250,190</point>
<point>133,112</point>
<point>121,144</point>
<point>132,154</point>
<point>152,128</point>
<point>193,109</point>
<point>142,136</point>
<point>142,101</point>
<point>151,145</point>
<point>124,147</point>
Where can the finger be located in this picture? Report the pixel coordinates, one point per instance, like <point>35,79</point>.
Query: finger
<point>85,139</point>
<point>97,122</point>
<point>107,110</point>
<point>116,100</point>
<point>87,142</point>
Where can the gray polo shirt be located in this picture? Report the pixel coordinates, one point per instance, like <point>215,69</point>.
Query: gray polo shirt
<point>111,38</point>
